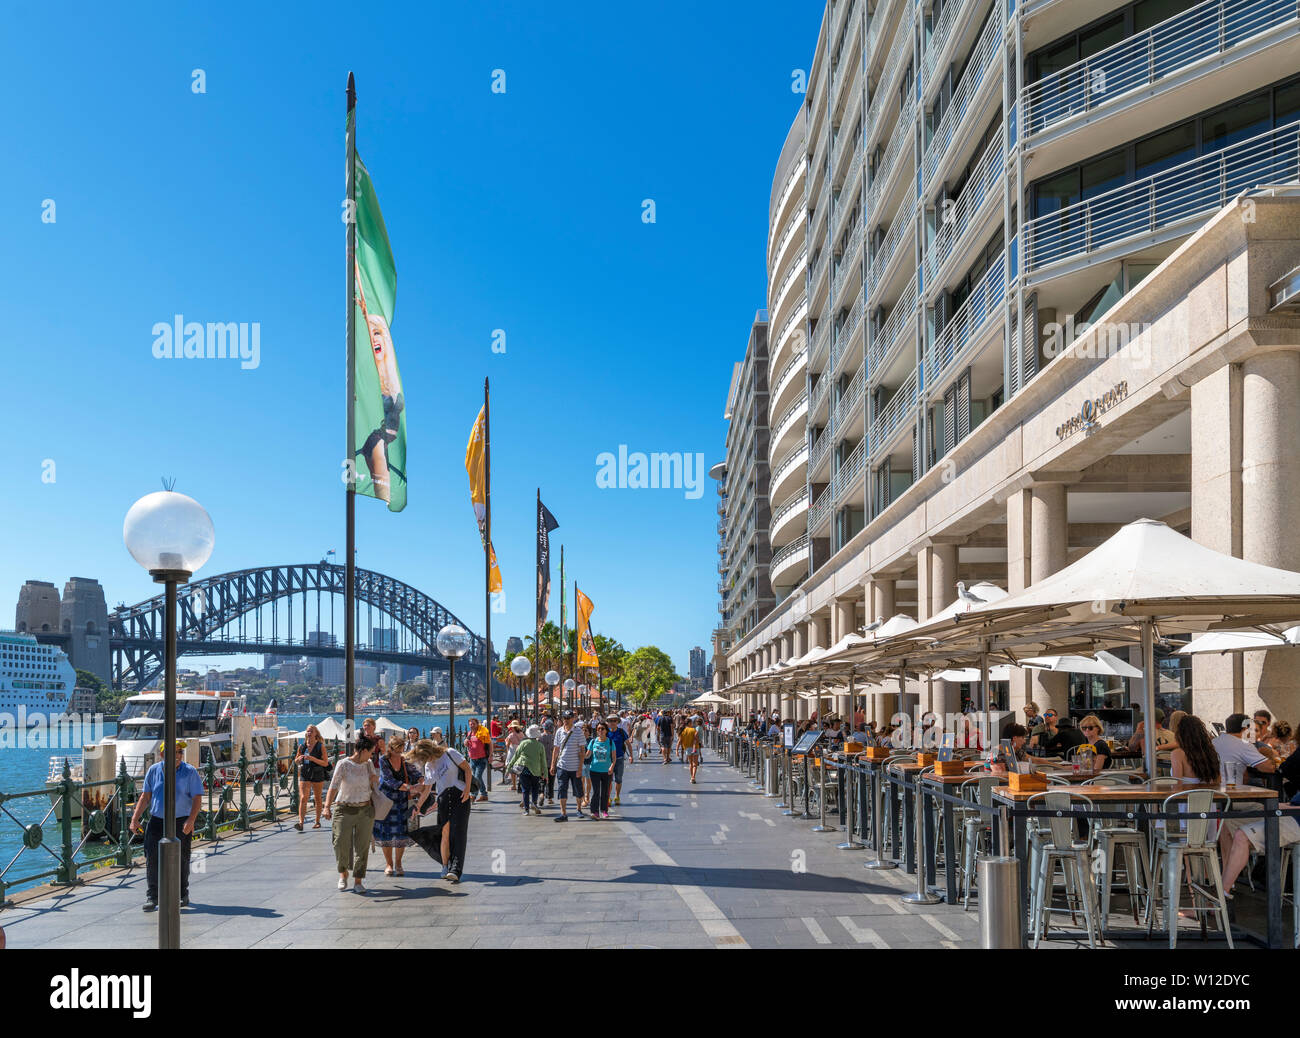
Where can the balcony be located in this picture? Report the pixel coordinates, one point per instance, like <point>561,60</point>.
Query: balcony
<point>898,231</point>
<point>792,414</point>
<point>819,394</point>
<point>892,416</point>
<point>891,332</point>
<point>787,562</point>
<point>1205,31</point>
<point>849,264</point>
<point>851,400</point>
<point>794,276</point>
<point>820,511</point>
<point>982,187</point>
<point>788,466</point>
<point>797,167</point>
<point>820,450</point>
<point>1163,206</point>
<point>820,340</point>
<point>798,225</point>
<point>797,366</point>
<point>954,14</point>
<point>904,134</point>
<point>851,471</point>
<point>885,86</point>
<point>786,337</point>
<point>981,308</point>
<point>851,110</point>
<point>850,185</point>
<point>787,515</point>
<point>983,59</point>
<point>840,347</point>
<point>818,269</point>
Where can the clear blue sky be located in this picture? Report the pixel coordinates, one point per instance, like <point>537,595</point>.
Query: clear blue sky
<point>519,211</point>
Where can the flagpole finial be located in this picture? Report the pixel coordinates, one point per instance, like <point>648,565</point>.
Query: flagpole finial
<point>352,91</point>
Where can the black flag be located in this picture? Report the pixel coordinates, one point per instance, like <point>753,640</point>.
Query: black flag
<point>545,524</point>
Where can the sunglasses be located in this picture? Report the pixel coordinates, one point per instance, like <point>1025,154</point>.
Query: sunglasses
<point>1049,714</point>
<point>1090,727</point>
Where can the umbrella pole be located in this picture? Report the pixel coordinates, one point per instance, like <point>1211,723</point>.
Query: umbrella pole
<point>985,695</point>
<point>1149,695</point>
<point>902,693</point>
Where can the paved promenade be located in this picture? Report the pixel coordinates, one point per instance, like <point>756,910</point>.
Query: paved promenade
<point>709,865</point>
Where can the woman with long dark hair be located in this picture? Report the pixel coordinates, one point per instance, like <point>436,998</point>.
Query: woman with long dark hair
<point>1195,761</point>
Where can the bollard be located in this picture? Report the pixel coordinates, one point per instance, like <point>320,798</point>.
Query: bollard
<point>920,896</point>
<point>999,886</point>
<point>789,784</point>
<point>850,794</point>
<point>773,787</point>
<point>822,825</point>
<point>757,780</point>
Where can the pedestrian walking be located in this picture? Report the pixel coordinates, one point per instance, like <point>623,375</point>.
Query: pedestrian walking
<point>397,778</point>
<point>666,736</point>
<point>447,776</point>
<point>189,797</point>
<point>313,770</point>
<point>618,736</point>
<point>690,741</point>
<point>353,828</point>
<point>478,747</point>
<point>547,739</point>
<point>600,755</point>
<point>514,736</point>
<point>527,762</point>
<point>566,763</point>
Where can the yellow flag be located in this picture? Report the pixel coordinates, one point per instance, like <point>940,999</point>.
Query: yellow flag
<point>586,644</point>
<point>476,466</point>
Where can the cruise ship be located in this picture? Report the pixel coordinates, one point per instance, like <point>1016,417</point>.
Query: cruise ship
<point>36,681</point>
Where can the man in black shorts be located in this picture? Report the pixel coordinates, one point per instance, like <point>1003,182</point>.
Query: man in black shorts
<point>666,735</point>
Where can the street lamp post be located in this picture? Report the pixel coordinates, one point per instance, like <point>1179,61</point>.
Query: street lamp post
<point>582,696</point>
<point>569,686</point>
<point>453,643</point>
<point>552,679</point>
<point>520,667</point>
<point>171,536</point>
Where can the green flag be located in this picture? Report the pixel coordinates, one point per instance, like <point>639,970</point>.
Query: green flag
<point>378,405</point>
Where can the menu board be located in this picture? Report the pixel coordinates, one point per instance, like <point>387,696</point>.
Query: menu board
<point>807,741</point>
<point>788,739</point>
<point>727,724</point>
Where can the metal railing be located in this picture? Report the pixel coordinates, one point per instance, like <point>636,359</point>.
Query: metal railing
<point>796,316</point>
<point>851,470</point>
<point>981,187</point>
<point>799,501</point>
<point>787,416</point>
<point>904,134</point>
<point>800,543</point>
<point>799,359</point>
<point>885,86</point>
<point>902,224</point>
<point>891,416</point>
<point>791,458</point>
<point>820,510</point>
<point>890,334</point>
<point>849,265</point>
<point>851,399</point>
<point>982,59</point>
<point>796,164</point>
<point>979,308</point>
<point>788,281</point>
<point>1173,196</point>
<point>799,223</point>
<point>820,449</point>
<point>953,14</point>
<point>819,394</point>
<point>1208,29</point>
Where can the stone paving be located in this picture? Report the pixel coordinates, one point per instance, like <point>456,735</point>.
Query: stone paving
<point>677,865</point>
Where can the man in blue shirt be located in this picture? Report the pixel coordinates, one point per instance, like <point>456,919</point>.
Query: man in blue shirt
<point>618,736</point>
<point>189,798</point>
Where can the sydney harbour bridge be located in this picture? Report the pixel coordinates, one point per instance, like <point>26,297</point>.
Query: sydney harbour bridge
<point>294,610</point>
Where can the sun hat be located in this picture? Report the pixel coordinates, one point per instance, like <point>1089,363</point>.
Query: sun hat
<point>533,732</point>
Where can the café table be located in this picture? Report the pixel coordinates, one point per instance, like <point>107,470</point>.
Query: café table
<point>944,784</point>
<point>1153,795</point>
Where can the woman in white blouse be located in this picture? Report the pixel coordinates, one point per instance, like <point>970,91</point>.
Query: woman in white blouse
<point>350,787</point>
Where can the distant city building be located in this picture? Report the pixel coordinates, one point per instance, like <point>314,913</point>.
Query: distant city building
<point>697,663</point>
<point>366,675</point>
<point>82,702</point>
<point>384,638</point>
<point>212,682</point>
<point>80,615</point>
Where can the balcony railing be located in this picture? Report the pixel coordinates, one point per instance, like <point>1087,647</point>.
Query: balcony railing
<point>883,343</point>
<point>850,470</point>
<point>939,37</point>
<point>797,453</point>
<point>820,510</point>
<point>797,545</point>
<point>981,306</point>
<point>851,178</point>
<point>787,187</point>
<point>820,449</point>
<point>798,314</point>
<point>1164,200</point>
<point>849,263</point>
<point>898,54</point>
<point>889,244</point>
<point>851,109</point>
<point>788,280</point>
<point>819,396</point>
<point>845,334</point>
<point>799,360</point>
<point>821,339</point>
<point>817,270</point>
<point>797,225</point>
<point>851,400</point>
<point>787,416</point>
<point>891,416</point>
<point>980,188</point>
<point>982,59</point>
<point>1138,61</point>
<point>796,503</point>
<point>903,135</point>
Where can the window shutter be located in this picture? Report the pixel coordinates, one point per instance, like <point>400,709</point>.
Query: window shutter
<point>1029,341</point>
<point>917,468</point>
<point>963,405</point>
<point>949,418</point>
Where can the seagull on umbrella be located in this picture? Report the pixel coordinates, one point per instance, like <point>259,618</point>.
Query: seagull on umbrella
<point>968,596</point>
<point>879,622</point>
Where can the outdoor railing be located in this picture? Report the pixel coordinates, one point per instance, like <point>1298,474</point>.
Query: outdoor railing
<point>800,543</point>
<point>1166,199</point>
<point>889,336</point>
<point>980,307</point>
<point>788,416</point>
<point>849,264</point>
<point>798,360</point>
<point>820,449</point>
<point>956,219</point>
<point>891,416</point>
<point>939,36</point>
<point>788,281</point>
<point>1203,31</point>
<point>851,400</point>
<point>850,470</point>
<point>799,501</point>
<point>982,59</point>
<point>888,246</point>
<point>885,87</point>
<point>820,510</point>
<point>903,135</point>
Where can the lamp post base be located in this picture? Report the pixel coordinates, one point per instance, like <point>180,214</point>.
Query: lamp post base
<point>169,889</point>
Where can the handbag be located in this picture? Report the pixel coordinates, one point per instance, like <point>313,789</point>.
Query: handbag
<point>380,802</point>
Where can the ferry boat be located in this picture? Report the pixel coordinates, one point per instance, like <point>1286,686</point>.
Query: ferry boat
<point>36,680</point>
<point>205,717</point>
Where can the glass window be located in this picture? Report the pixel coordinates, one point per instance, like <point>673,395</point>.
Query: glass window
<point>1103,174</point>
<point>1152,12</point>
<point>1238,122</point>
<point>1054,58</point>
<point>1286,104</point>
<point>1101,36</point>
<point>1164,150</point>
<point>1057,192</point>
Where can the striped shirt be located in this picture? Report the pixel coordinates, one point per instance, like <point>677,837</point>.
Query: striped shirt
<point>572,745</point>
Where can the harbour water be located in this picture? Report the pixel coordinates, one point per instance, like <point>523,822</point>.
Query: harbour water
<point>24,768</point>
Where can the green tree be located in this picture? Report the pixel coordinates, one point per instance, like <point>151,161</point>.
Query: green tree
<point>646,675</point>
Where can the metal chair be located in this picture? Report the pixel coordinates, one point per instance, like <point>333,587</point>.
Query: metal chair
<point>1112,839</point>
<point>975,827</point>
<point>1190,842</point>
<point>1059,842</point>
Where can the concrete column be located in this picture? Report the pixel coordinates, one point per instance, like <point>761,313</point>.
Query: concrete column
<point>796,641</point>
<point>881,592</point>
<point>847,615</point>
<point>1217,681</point>
<point>945,696</point>
<point>1049,553</point>
<point>1019,526</point>
<point>1270,498</point>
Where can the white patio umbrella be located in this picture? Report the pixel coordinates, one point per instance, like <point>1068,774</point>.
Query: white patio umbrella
<point>1103,663</point>
<point>973,675</point>
<point>1240,641</point>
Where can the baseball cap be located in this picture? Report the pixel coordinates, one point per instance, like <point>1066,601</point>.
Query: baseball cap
<point>567,714</point>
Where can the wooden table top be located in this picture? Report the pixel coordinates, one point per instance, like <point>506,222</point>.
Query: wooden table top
<point>1138,793</point>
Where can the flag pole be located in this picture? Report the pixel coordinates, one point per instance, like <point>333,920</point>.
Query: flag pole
<point>487,574</point>
<point>349,561</point>
<point>564,638</point>
<point>537,607</point>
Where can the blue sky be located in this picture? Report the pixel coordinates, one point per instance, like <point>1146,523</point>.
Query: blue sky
<point>519,211</point>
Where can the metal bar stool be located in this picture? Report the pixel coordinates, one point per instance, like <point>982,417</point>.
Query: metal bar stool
<point>1112,840</point>
<point>1059,842</point>
<point>1191,843</point>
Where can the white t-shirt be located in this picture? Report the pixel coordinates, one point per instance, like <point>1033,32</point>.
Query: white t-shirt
<point>1236,751</point>
<point>445,772</point>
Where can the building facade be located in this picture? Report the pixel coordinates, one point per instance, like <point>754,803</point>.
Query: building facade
<point>744,553</point>
<point>1009,207</point>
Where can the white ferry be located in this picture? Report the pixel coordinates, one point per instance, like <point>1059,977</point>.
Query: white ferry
<point>210,718</point>
<point>36,680</point>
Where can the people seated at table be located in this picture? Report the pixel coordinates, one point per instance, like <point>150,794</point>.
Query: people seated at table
<point>1018,735</point>
<point>1282,738</point>
<point>1034,723</point>
<point>1091,728</point>
<point>1195,761</point>
<point>1060,735</point>
<point>1164,737</point>
<point>1175,719</point>
<point>1236,755</point>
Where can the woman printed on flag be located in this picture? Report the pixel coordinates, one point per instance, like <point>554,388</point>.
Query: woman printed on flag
<point>375,449</point>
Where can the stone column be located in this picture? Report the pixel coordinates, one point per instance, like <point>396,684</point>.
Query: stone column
<point>945,696</point>
<point>1049,552</point>
<point>1217,681</point>
<point>881,593</point>
<point>1270,499</point>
